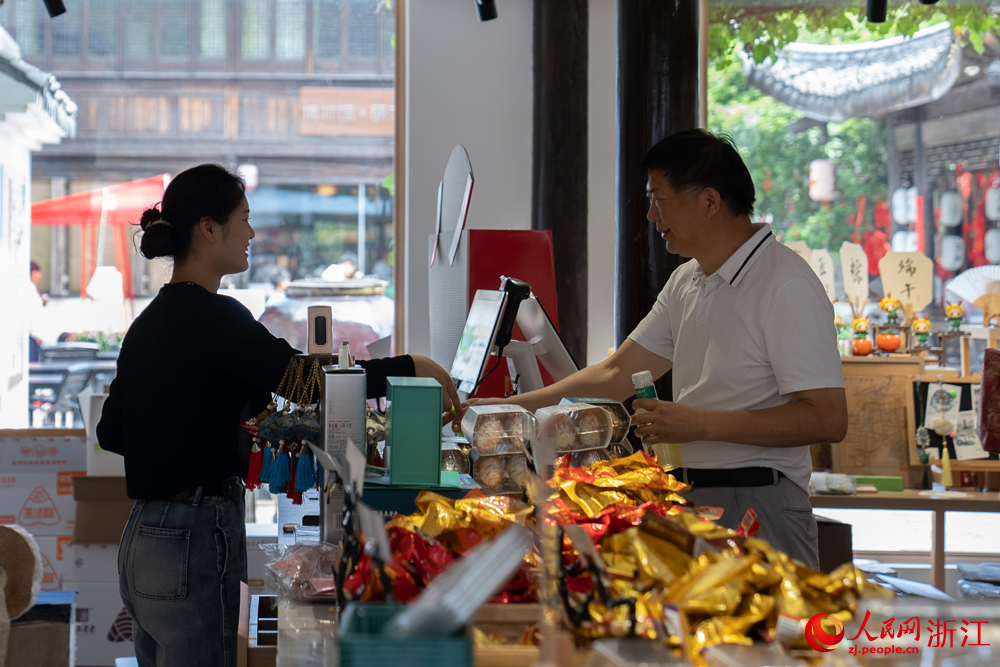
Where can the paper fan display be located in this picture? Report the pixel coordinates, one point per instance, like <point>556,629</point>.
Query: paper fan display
<point>981,286</point>
<point>23,564</point>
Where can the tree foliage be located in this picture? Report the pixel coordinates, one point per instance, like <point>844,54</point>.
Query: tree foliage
<point>779,159</point>
<point>763,31</point>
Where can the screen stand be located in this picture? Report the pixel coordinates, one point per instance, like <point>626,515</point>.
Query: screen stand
<point>522,360</point>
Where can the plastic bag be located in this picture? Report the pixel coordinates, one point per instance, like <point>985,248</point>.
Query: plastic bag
<point>304,570</point>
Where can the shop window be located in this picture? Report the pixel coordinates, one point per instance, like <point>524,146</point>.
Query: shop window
<point>256,29</point>
<point>290,30</point>
<point>139,17</point>
<point>174,19</point>
<point>363,38</point>
<point>102,33</point>
<point>66,33</point>
<point>388,34</point>
<point>29,26</point>
<point>328,24</point>
<point>212,43</point>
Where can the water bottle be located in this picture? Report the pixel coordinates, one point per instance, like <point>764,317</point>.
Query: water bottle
<point>668,454</point>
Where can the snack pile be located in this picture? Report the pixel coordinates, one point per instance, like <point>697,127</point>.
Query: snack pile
<point>668,573</point>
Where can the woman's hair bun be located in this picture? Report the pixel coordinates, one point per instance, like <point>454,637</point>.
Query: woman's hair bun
<point>157,240</point>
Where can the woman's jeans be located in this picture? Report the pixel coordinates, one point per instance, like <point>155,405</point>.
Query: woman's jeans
<point>180,565</point>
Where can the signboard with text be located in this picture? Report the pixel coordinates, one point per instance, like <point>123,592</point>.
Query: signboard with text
<point>367,112</point>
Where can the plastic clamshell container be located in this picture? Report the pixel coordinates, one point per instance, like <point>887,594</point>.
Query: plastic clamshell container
<point>454,458</point>
<point>621,419</point>
<point>499,429</point>
<point>362,643</point>
<point>499,474</point>
<point>574,427</point>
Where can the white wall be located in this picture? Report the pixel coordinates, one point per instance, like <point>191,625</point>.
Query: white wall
<point>602,137</point>
<point>468,83</point>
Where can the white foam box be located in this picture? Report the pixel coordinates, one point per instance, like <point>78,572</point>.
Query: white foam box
<point>102,625</point>
<point>48,453</point>
<point>257,580</point>
<point>91,562</point>
<point>40,502</point>
<point>55,553</point>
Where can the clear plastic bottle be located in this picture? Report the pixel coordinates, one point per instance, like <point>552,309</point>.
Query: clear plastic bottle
<point>344,357</point>
<point>668,454</point>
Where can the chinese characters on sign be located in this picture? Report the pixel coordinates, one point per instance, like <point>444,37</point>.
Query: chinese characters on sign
<point>908,276</point>
<point>854,262</point>
<point>347,111</point>
<point>939,633</point>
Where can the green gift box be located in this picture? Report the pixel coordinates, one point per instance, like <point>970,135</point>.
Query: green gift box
<point>413,426</point>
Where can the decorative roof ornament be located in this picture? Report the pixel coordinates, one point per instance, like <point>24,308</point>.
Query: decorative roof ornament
<point>866,79</point>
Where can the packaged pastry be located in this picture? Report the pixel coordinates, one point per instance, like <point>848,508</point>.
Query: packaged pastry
<point>621,421</point>
<point>453,458</point>
<point>499,429</point>
<point>587,457</point>
<point>499,474</point>
<point>574,427</point>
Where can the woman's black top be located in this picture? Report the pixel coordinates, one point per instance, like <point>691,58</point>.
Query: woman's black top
<point>194,366</point>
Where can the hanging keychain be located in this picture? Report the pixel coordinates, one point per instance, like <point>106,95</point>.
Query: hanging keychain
<point>260,428</point>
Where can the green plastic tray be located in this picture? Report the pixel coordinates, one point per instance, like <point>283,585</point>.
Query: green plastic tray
<point>362,643</point>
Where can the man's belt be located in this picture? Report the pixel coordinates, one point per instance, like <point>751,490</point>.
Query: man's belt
<point>700,478</point>
<point>231,488</point>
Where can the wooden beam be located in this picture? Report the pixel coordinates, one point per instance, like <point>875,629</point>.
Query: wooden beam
<point>657,96</point>
<point>559,186</point>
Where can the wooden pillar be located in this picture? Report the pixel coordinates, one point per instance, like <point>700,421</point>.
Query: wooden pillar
<point>559,191</point>
<point>657,96</point>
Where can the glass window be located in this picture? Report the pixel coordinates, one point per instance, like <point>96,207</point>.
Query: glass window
<point>256,29</point>
<point>29,25</point>
<point>139,29</point>
<point>388,36</point>
<point>290,30</point>
<point>363,39</point>
<point>327,19</point>
<point>66,33</point>
<point>213,29</point>
<point>102,37</point>
<point>174,28</point>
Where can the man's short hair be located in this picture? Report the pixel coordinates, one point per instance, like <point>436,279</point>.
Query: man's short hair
<point>35,267</point>
<point>696,159</point>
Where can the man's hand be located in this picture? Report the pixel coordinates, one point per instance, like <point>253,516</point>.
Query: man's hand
<point>664,421</point>
<point>427,368</point>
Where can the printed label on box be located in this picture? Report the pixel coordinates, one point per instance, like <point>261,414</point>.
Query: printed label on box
<point>103,626</point>
<point>53,551</point>
<point>34,502</point>
<point>22,455</point>
<point>91,562</point>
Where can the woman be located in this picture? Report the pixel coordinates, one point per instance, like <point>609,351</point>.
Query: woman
<point>193,366</point>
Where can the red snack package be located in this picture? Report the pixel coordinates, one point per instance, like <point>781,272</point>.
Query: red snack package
<point>989,402</point>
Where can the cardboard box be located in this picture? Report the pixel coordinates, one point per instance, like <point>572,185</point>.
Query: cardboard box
<point>40,502</point>
<point>43,636</point>
<point>90,562</point>
<point>103,627</point>
<point>48,450</point>
<point>257,580</point>
<point>102,509</point>
<point>55,553</point>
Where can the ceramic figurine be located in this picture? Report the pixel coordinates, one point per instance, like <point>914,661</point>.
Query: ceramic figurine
<point>890,307</point>
<point>921,330</point>
<point>955,314</point>
<point>888,341</point>
<point>862,345</point>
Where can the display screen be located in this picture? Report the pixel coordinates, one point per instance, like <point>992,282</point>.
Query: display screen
<point>477,339</point>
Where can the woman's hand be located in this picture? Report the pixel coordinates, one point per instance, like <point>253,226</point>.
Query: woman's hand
<point>427,368</point>
<point>456,421</point>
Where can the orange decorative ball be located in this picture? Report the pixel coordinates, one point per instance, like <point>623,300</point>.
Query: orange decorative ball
<point>888,342</point>
<point>861,347</point>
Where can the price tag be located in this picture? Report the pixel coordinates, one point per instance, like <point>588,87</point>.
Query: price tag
<point>855,265</point>
<point>822,264</point>
<point>909,278</point>
<point>801,249</point>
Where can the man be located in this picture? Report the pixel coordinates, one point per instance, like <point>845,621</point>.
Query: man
<point>748,331</point>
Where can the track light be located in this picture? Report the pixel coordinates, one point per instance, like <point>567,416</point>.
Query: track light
<point>877,10</point>
<point>487,9</point>
<point>55,7</point>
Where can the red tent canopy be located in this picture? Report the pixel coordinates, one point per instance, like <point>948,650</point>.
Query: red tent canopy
<point>122,204</point>
<point>116,206</point>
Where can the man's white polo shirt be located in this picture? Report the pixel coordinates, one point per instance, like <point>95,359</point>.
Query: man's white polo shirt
<point>745,338</point>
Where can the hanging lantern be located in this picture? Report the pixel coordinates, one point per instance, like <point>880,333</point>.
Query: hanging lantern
<point>822,181</point>
<point>952,252</point>
<point>904,241</point>
<point>904,206</point>
<point>951,209</point>
<point>993,203</point>
<point>992,243</point>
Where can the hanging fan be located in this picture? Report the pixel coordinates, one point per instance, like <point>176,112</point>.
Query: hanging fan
<point>981,286</point>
